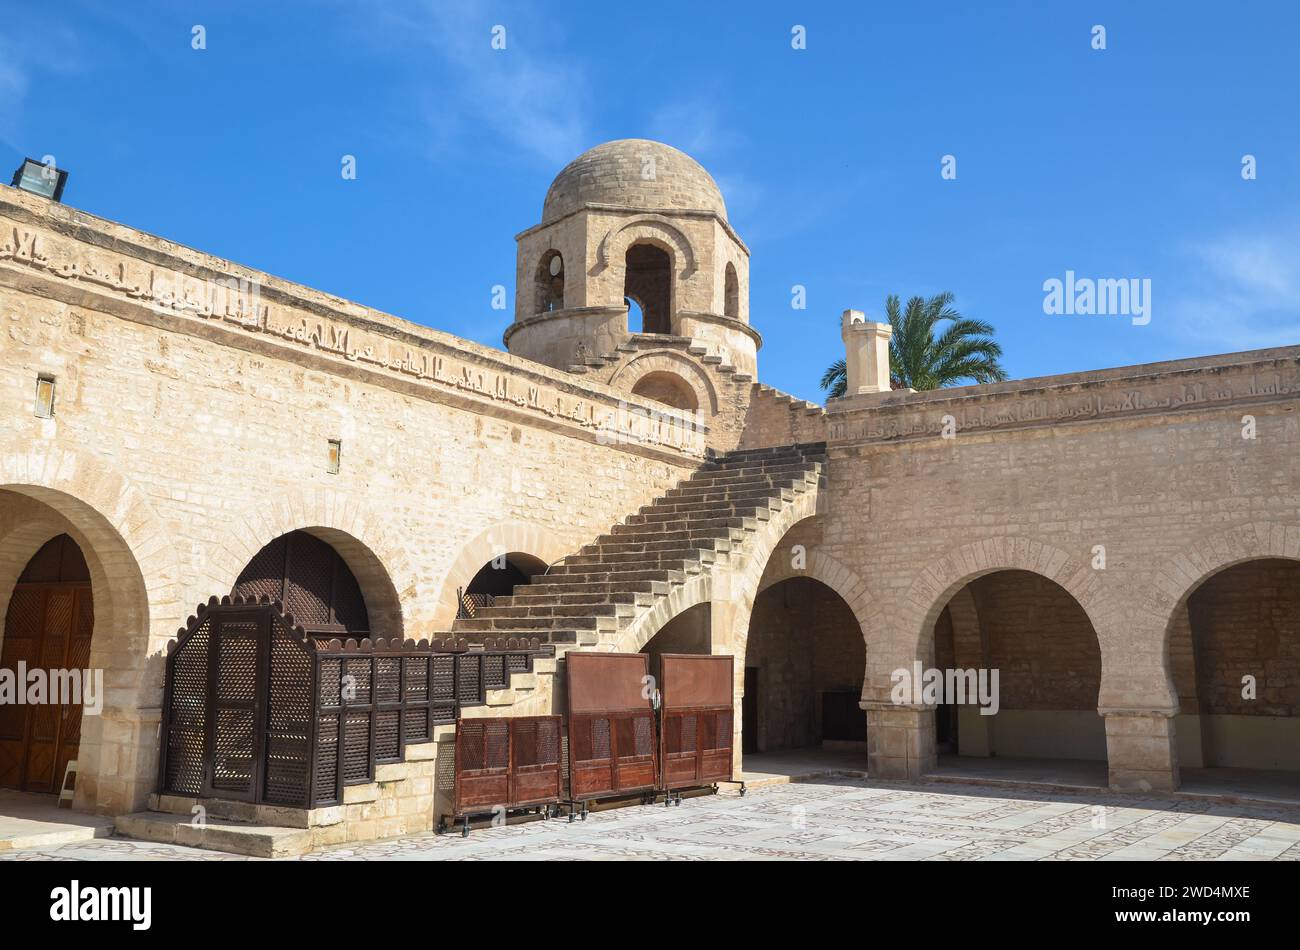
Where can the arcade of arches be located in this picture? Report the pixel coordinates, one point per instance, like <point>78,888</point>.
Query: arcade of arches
<point>351,464</point>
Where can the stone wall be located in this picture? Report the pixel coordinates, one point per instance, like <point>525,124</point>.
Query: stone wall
<point>1127,487</point>
<point>191,427</point>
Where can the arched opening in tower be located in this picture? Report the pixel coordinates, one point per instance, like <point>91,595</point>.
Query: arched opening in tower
<point>731,292</point>
<point>548,283</point>
<point>647,281</point>
<point>669,389</point>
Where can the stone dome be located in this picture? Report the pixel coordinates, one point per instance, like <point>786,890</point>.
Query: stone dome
<point>612,174</point>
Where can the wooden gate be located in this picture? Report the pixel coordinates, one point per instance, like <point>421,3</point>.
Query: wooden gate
<point>237,660</point>
<point>696,719</point>
<point>47,627</point>
<point>237,706</point>
<point>611,725</point>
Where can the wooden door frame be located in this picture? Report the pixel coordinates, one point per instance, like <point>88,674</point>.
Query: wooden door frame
<point>261,676</point>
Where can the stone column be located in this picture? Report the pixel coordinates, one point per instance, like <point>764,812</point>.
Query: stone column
<point>900,740</point>
<point>866,353</point>
<point>1141,749</point>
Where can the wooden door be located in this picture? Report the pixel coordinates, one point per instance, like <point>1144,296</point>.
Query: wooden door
<point>47,628</point>
<point>237,655</point>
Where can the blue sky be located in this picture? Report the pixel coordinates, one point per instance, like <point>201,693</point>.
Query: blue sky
<point>1116,163</point>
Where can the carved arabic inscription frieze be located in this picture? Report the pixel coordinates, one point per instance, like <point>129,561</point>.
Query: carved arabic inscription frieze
<point>238,302</point>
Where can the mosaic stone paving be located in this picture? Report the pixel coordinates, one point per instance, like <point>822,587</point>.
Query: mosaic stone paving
<point>836,819</point>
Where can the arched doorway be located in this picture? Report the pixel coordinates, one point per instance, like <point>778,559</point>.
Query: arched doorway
<point>1235,658</point>
<point>804,663</point>
<point>498,578</point>
<point>313,582</point>
<point>1038,719</point>
<point>648,280</point>
<point>48,627</point>
<point>688,632</point>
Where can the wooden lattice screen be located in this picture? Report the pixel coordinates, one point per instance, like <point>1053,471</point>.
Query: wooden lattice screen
<point>258,709</point>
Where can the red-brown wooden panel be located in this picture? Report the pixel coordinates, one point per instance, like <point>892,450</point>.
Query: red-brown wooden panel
<point>506,763</point>
<point>694,681</point>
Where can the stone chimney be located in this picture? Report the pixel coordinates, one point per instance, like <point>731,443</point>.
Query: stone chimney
<point>866,353</point>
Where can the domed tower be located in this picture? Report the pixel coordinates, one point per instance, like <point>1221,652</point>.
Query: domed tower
<point>635,276</point>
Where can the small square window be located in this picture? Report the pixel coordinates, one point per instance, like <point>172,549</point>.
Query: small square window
<point>335,456</point>
<point>44,397</point>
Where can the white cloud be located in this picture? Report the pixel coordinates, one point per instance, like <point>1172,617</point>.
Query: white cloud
<point>1242,291</point>
<point>530,94</point>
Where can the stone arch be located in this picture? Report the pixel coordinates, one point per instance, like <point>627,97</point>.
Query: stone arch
<point>639,367</point>
<point>134,580</point>
<point>548,282</point>
<point>734,584</point>
<point>1179,577</point>
<point>839,578</point>
<point>374,555</point>
<point>504,537</point>
<point>651,228</point>
<point>730,291</point>
<point>942,578</point>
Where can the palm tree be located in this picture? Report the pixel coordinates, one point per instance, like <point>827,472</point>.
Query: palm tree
<point>964,352</point>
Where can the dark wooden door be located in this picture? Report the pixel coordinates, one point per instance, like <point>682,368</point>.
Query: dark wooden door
<point>47,627</point>
<point>749,711</point>
<point>237,654</point>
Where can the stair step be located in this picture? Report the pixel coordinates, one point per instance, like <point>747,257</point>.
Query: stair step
<point>233,837</point>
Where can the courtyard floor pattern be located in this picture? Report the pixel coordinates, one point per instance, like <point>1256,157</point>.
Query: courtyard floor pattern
<point>828,820</point>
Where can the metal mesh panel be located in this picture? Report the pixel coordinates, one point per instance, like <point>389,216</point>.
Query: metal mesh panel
<point>496,734</point>
<point>636,736</point>
<point>720,735</point>
<point>471,745</point>
<point>688,723</point>
<point>548,741</point>
<point>536,741</point>
<point>589,737</point>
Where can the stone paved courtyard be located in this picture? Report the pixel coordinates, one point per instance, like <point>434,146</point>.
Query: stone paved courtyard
<point>836,819</point>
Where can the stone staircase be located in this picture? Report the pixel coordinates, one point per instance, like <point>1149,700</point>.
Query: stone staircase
<point>591,597</point>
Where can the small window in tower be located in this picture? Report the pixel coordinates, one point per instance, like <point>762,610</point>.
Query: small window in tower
<point>550,283</point>
<point>731,292</point>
